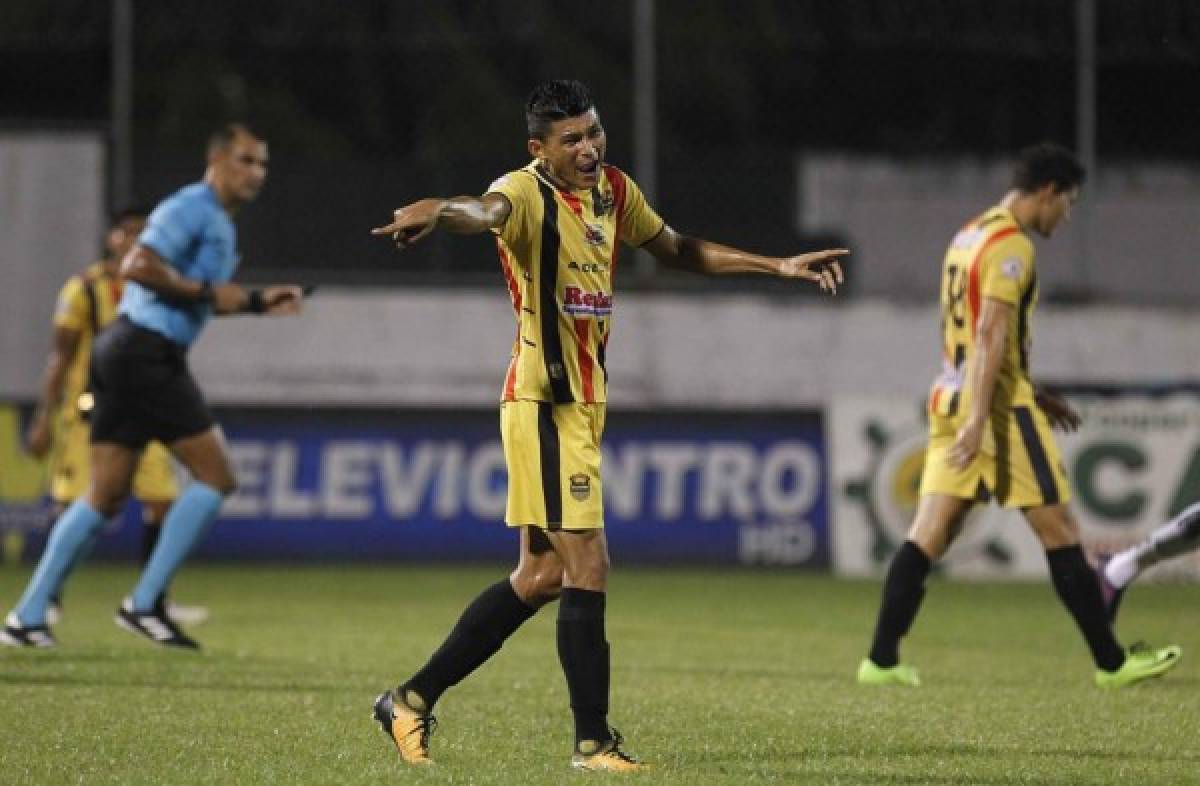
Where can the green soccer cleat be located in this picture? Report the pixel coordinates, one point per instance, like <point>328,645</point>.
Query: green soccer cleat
<point>900,674</point>
<point>1141,663</point>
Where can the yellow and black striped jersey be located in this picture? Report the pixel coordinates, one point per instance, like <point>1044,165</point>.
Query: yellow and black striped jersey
<point>86,303</point>
<point>558,250</point>
<point>990,257</point>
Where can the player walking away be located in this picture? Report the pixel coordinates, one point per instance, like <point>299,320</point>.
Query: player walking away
<point>557,223</point>
<point>1178,536</point>
<point>86,303</point>
<point>178,275</point>
<point>989,426</point>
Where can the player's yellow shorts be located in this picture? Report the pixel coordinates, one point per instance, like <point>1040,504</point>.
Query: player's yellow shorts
<point>70,467</point>
<point>553,457</point>
<point>1019,463</point>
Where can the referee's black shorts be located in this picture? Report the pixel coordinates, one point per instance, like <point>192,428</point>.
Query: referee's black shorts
<point>143,388</point>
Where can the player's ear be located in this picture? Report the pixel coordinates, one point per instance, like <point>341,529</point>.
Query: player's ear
<point>536,147</point>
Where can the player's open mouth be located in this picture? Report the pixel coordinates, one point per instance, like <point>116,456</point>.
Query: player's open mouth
<point>589,170</point>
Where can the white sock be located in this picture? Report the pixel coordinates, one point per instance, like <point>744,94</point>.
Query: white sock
<point>1178,536</point>
<point>1123,567</point>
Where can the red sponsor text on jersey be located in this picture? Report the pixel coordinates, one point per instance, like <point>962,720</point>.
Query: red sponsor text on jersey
<point>578,302</point>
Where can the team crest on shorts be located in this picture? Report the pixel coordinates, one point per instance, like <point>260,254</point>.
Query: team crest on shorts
<point>581,486</point>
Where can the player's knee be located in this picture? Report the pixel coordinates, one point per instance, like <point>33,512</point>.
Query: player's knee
<point>538,587</point>
<point>221,481</point>
<point>107,502</point>
<point>1056,531</point>
<point>931,539</point>
<point>227,486</point>
<point>589,573</point>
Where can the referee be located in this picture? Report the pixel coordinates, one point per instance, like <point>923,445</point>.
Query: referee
<point>177,276</point>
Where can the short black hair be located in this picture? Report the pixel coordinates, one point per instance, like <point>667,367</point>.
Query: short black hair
<point>1047,163</point>
<point>223,137</point>
<point>555,100</point>
<point>125,212</point>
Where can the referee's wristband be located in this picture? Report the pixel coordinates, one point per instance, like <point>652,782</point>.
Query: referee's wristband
<point>205,295</point>
<point>255,304</point>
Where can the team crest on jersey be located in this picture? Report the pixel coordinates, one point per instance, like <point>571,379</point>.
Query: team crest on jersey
<point>581,486</point>
<point>604,205</point>
<point>1011,268</point>
<point>593,234</point>
<point>580,303</point>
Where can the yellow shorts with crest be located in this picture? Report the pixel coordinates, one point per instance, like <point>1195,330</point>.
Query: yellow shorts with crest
<point>553,457</point>
<point>1019,463</point>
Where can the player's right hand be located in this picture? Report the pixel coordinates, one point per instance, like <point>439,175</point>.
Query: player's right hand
<point>285,300</point>
<point>967,444</point>
<point>411,223</point>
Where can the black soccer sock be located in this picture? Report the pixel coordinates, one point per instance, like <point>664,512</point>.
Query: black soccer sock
<point>583,653</point>
<point>903,590</point>
<point>1077,588</point>
<point>479,633</point>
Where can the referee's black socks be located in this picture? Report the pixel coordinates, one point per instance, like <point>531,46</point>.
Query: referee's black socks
<point>1076,585</point>
<point>583,653</point>
<point>903,590</point>
<point>479,633</point>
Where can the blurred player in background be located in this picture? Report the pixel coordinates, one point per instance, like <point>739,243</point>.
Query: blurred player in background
<point>87,302</point>
<point>177,277</point>
<point>1178,536</point>
<point>989,426</point>
<point>557,223</point>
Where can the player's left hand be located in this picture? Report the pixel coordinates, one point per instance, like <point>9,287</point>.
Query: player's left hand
<point>966,445</point>
<point>1061,414</point>
<point>282,300</point>
<point>822,267</point>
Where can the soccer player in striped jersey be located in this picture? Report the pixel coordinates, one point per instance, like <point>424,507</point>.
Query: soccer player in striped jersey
<point>558,223</point>
<point>989,426</point>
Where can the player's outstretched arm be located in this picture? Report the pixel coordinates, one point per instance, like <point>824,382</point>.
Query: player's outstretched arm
<point>702,256</point>
<point>144,266</point>
<point>464,215</point>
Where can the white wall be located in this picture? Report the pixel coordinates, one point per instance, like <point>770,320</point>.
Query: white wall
<point>51,220</point>
<point>451,349</point>
<point>1132,238</point>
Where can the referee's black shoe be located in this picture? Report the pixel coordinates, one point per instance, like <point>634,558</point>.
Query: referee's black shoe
<point>15,634</point>
<point>154,625</point>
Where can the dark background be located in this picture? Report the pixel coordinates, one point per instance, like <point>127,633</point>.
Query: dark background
<point>370,104</point>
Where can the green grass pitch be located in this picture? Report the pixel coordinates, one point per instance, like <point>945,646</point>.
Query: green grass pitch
<point>719,677</point>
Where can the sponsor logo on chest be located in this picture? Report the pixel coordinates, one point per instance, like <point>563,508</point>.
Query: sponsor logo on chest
<point>579,302</point>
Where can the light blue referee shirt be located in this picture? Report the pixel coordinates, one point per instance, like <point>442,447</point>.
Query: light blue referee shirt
<point>193,234</point>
